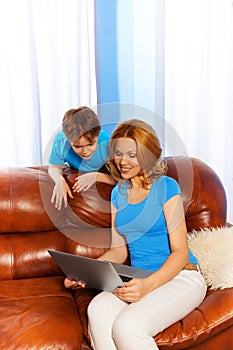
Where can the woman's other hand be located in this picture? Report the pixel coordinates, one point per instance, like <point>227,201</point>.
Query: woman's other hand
<point>74,284</point>
<point>134,290</point>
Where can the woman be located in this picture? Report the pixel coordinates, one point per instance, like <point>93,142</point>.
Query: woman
<point>148,219</point>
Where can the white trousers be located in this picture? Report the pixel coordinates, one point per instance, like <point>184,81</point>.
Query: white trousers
<point>115,324</point>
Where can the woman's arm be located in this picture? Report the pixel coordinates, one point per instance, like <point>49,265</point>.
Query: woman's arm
<point>118,251</point>
<point>137,288</point>
<point>175,220</point>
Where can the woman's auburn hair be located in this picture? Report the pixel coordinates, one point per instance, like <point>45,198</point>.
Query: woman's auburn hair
<point>148,150</point>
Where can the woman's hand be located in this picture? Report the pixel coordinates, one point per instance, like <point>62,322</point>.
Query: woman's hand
<point>74,284</point>
<point>84,182</point>
<point>60,192</point>
<point>134,290</point>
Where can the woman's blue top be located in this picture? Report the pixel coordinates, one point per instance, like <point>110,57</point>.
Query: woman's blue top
<point>143,224</point>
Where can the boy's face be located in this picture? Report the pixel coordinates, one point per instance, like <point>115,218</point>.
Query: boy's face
<point>84,148</point>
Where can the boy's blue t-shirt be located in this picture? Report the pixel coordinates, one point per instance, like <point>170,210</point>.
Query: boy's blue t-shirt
<point>63,153</point>
<point>143,224</point>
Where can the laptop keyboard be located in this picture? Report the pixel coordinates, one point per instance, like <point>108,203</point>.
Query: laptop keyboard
<point>125,278</point>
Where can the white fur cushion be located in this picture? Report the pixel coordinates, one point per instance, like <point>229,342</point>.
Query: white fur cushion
<point>214,252</point>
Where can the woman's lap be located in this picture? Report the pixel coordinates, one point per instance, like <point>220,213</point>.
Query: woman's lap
<point>133,325</point>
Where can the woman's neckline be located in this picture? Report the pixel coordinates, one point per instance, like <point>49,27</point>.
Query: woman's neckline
<point>141,198</point>
<point>137,196</point>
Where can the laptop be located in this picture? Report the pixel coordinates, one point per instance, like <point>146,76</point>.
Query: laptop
<point>98,274</point>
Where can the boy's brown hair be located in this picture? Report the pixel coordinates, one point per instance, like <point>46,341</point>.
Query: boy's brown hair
<point>81,121</point>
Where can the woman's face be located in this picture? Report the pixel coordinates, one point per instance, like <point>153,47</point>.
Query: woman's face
<point>125,157</point>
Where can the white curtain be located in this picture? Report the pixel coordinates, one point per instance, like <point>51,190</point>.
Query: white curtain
<point>199,82</point>
<point>47,65</point>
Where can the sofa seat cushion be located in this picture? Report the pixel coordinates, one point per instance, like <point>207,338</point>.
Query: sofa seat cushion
<point>38,313</point>
<point>196,328</point>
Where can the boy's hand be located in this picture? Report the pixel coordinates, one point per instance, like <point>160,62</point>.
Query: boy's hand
<point>60,192</point>
<point>84,182</point>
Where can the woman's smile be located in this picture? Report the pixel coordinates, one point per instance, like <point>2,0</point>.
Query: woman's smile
<point>124,170</point>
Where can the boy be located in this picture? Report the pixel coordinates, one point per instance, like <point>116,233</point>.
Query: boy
<point>83,146</point>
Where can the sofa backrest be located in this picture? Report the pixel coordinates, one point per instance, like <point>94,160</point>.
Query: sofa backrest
<point>203,194</point>
<point>30,224</point>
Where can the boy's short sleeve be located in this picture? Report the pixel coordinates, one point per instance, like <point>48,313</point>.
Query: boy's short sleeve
<point>59,148</point>
<point>103,136</point>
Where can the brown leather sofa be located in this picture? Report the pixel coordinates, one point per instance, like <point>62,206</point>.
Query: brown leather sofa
<point>37,312</point>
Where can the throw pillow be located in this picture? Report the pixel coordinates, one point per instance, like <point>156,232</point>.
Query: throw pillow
<point>213,249</point>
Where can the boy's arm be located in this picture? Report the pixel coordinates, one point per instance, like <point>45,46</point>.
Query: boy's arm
<point>55,172</point>
<point>61,188</point>
<point>87,180</point>
<point>108,179</point>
